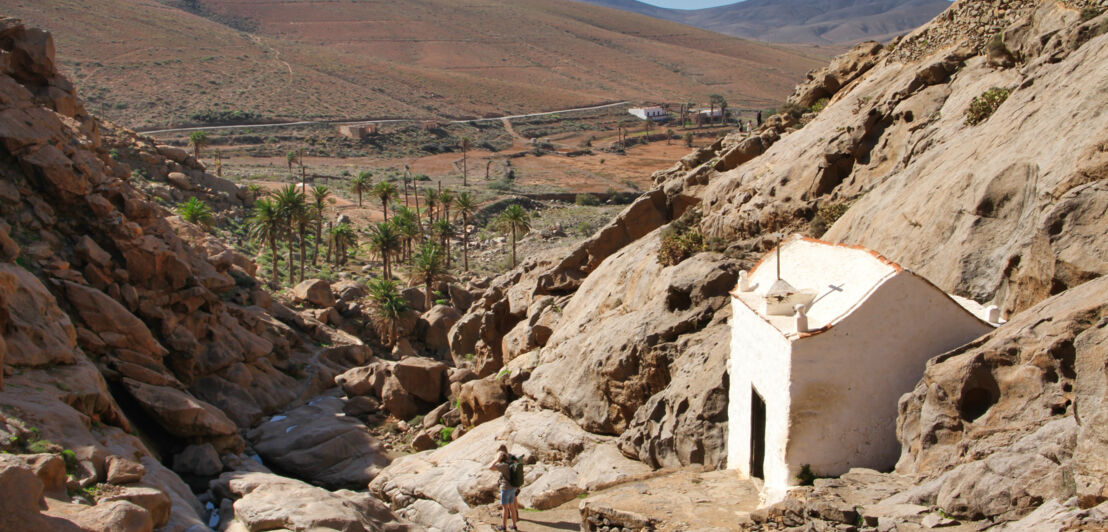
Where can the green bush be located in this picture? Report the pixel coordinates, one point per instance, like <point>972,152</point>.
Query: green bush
<point>196,212</point>
<point>830,212</point>
<point>70,458</point>
<point>820,105</point>
<point>43,446</point>
<point>983,106</point>
<point>446,434</point>
<point>681,239</point>
<point>587,200</point>
<point>792,109</point>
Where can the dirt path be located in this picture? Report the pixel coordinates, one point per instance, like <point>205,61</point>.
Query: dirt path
<point>339,122</point>
<point>560,519</point>
<point>671,501</point>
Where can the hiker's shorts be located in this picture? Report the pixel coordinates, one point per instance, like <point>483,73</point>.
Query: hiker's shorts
<point>508,496</point>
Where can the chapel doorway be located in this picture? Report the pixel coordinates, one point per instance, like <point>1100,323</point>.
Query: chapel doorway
<point>757,434</point>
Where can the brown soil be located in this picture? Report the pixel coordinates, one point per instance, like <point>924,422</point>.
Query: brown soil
<point>419,59</point>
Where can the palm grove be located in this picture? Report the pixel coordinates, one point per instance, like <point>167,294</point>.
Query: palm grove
<point>291,225</point>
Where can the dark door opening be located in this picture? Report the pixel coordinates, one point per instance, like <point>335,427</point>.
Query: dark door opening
<point>757,434</point>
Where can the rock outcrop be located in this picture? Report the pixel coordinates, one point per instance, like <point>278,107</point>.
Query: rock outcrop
<point>437,488</point>
<point>113,310</point>
<point>317,444</point>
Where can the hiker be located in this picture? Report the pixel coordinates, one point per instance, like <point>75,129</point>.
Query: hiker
<point>506,464</point>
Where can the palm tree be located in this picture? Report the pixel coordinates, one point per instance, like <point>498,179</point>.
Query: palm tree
<point>320,196</point>
<point>431,198</point>
<point>466,207</point>
<point>514,220</point>
<point>389,307</point>
<point>406,223</point>
<point>465,169</point>
<point>385,191</point>
<point>265,225</point>
<point>360,184</point>
<point>293,210</point>
<point>407,181</point>
<point>444,231</point>
<point>446,199</point>
<point>199,139</point>
<point>715,100</point>
<point>344,238</point>
<point>196,212</point>
<point>385,241</point>
<point>290,158</point>
<point>254,190</point>
<point>427,267</point>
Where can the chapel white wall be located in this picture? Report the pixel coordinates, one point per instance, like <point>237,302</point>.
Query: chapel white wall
<point>846,381</point>
<point>760,357</point>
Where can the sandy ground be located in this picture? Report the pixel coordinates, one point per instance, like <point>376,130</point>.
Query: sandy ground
<point>687,499</point>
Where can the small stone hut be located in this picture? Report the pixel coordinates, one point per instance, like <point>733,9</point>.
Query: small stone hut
<point>825,339</point>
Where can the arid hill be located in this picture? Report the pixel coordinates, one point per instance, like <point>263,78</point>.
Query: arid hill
<point>1001,201</point>
<point>944,151</point>
<point>800,21</point>
<point>154,63</point>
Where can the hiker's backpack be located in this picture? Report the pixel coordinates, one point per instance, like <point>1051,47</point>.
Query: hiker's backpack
<point>515,471</point>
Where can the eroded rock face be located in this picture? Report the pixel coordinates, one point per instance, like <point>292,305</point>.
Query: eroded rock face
<point>612,349</point>
<point>316,292</point>
<point>315,442</point>
<point>264,501</point>
<point>995,422</point>
<point>436,488</point>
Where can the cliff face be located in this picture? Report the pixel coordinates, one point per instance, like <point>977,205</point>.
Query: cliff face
<point>113,324</point>
<point>1007,210</point>
<point>1005,205</point>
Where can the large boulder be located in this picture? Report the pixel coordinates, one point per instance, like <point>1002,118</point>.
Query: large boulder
<point>398,401</point>
<point>112,322</point>
<point>557,486</point>
<point>179,413</point>
<point>482,400</point>
<point>155,502</point>
<point>36,331</point>
<point>421,377</point>
<point>123,471</point>
<point>263,501</point>
<point>316,292</point>
<point>364,380</point>
<point>315,442</point>
<point>22,502</point>
<point>435,324</point>
<point>1011,419</point>
<point>173,153</point>
<point>348,290</point>
<point>200,460</point>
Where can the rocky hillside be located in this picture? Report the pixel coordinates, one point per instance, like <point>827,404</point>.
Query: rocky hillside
<point>800,21</point>
<point>217,61</point>
<point>971,151</point>
<point>143,363</point>
<point>133,341</point>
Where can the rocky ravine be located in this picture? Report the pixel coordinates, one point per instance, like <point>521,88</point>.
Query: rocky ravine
<point>1009,211</point>
<point>131,339</point>
<point>590,364</point>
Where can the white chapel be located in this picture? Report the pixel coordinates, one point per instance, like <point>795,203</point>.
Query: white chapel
<point>825,339</point>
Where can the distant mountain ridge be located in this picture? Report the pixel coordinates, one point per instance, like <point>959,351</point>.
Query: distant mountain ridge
<point>184,60</point>
<point>800,21</point>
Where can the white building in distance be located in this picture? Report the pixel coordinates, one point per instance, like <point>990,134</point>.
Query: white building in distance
<point>819,361</point>
<point>656,114</point>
